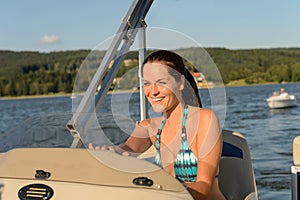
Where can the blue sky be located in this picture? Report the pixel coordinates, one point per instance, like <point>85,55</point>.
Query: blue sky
<point>44,25</point>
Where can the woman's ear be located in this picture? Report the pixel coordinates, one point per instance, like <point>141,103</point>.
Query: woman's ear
<point>182,81</point>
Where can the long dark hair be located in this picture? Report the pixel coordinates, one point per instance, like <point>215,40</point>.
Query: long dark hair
<point>190,92</point>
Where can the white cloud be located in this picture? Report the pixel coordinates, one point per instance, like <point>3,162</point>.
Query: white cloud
<point>49,39</point>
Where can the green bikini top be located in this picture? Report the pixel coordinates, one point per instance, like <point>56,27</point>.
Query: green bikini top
<point>185,165</point>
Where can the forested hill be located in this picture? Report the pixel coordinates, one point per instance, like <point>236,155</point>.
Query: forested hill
<point>34,73</point>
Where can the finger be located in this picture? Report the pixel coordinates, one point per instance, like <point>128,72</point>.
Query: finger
<point>111,148</point>
<point>125,153</point>
<point>103,147</point>
<point>91,146</point>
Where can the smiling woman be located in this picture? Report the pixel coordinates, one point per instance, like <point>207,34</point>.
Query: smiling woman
<point>180,134</point>
<point>175,67</point>
<point>161,90</point>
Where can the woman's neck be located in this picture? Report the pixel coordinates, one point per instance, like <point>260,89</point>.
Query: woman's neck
<point>175,112</point>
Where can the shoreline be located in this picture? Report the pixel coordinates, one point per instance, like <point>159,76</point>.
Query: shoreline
<point>123,91</point>
<point>34,96</point>
<point>57,95</point>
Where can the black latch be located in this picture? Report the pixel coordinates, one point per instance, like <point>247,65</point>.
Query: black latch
<point>142,181</point>
<point>41,174</point>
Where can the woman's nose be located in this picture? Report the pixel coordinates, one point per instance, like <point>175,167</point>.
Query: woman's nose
<point>154,89</point>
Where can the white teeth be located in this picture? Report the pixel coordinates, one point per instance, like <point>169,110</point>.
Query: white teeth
<point>157,99</point>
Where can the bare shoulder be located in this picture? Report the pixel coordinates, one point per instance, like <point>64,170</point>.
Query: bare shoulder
<point>203,113</point>
<point>207,112</point>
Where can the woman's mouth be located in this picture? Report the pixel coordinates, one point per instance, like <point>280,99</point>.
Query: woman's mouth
<point>156,99</point>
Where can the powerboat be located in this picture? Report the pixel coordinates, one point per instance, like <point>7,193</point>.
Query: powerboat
<point>281,101</point>
<point>47,162</point>
<point>76,173</point>
<point>42,166</point>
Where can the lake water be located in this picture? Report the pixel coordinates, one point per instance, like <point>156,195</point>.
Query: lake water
<point>269,133</point>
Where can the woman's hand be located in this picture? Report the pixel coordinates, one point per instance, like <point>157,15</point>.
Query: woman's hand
<point>104,147</point>
<point>115,149</point>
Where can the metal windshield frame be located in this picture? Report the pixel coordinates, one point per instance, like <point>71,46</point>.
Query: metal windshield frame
<point>133,24</point>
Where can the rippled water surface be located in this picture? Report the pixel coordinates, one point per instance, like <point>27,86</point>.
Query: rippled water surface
<point>269,133</point>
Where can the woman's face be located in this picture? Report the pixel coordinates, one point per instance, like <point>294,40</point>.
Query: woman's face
<point>160,88</point>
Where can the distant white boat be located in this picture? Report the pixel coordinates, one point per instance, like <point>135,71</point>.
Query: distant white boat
<point>281,101</point>
<point>73,96</point>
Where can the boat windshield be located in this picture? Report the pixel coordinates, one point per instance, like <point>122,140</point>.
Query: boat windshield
<point>39,130</point>
<point>49,131</point>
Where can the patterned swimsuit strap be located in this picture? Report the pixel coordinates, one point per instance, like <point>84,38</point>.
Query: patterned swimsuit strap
<point>183,134</point>
<point>185,112</point>
<point>158,138</point>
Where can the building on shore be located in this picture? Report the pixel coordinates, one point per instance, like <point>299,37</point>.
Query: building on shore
<point>201,81</point>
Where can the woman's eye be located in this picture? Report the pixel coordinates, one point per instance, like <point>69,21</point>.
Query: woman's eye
<point>146,84</point>
<point>162,83</point>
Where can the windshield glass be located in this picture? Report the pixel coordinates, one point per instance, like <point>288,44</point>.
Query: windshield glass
<point>39,130</point>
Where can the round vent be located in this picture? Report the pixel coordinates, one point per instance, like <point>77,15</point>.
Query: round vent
<point>35,192</point>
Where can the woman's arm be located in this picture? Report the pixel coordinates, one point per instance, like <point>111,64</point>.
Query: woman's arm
<point>207,172</point>
<point>209,147</point>
<point>138,142</point>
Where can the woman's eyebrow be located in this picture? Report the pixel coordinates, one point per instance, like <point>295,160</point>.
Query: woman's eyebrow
<point>161,79</point>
